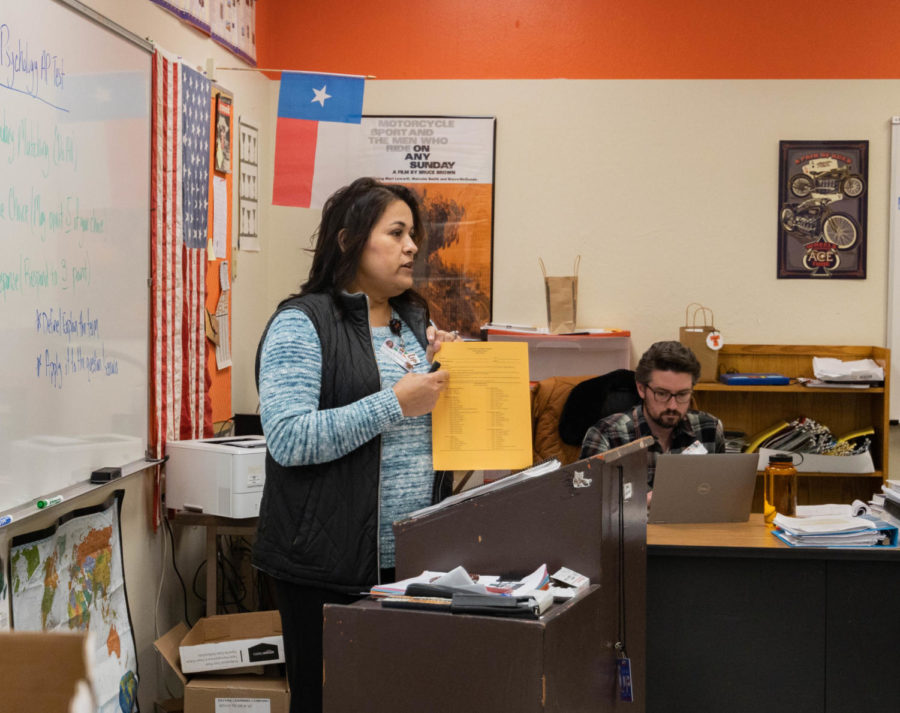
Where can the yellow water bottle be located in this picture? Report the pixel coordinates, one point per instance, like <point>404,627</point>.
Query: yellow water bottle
<point>779,487</point>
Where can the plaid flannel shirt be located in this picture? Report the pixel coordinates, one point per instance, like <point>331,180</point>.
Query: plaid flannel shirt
<point>621,428</point>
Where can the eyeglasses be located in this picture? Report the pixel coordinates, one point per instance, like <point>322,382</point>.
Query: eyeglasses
<point>661,396</point>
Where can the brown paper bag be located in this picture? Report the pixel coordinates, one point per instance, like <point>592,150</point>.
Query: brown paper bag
<point>562,299</point>
<point>700,335</point>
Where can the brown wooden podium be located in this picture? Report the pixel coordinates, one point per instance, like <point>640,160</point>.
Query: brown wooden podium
<point>589,516</point>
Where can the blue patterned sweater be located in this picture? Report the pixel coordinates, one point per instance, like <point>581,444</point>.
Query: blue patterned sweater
<point>297,433</point>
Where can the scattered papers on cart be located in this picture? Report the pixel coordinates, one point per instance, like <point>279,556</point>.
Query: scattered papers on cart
<point>835,531</point>
<point>458,592</point>
<point>459,578</point>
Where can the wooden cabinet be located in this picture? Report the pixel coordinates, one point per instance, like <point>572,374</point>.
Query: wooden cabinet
<point>752,408</point>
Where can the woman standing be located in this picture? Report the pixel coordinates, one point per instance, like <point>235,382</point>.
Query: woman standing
<point>345,396</point>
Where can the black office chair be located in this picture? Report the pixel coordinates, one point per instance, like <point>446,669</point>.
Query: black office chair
<point>594,399</point>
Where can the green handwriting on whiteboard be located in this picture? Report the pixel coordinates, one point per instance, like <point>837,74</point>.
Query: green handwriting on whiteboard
<point>27,141</point>
<point>26,275</point>
<point>62,215</point>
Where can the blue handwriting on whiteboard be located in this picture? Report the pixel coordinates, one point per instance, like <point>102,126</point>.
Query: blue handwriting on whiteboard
<point>37,74</point>
<point>67,323</point>
<point>81,361</point>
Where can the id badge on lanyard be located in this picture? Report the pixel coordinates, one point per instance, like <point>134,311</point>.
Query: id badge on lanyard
<point>396,351</point>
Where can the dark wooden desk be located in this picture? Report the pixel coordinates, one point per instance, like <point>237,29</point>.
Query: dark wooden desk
<point>738,621</point>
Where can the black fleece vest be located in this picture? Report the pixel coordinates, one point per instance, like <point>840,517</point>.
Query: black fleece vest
<point>318,524</point>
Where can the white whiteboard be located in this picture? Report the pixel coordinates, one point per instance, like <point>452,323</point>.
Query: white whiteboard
<point>74,246</point>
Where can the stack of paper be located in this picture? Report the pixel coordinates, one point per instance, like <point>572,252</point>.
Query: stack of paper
<point>819,384</point>
<point>890,500</point>
<point>855,509</point>
<point>828,369</point>
<point>456,578</point>
<point>876,508</point>
<point>834,531</point>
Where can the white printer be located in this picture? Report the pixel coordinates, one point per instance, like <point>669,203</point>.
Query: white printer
<point>216,476</point>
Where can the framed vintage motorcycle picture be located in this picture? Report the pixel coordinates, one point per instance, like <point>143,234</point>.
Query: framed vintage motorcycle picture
<point>822,209</point>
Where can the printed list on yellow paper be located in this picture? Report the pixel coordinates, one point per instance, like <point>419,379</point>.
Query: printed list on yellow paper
<point>483,418</point>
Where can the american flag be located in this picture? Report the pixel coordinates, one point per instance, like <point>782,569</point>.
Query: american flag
<point>195,109</point>
<point>180,163</point>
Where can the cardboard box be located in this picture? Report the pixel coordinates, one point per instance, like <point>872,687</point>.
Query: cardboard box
<point>244,694</point>
<point>24,659</point>
<point>232,641</point>
<point>228,644</point>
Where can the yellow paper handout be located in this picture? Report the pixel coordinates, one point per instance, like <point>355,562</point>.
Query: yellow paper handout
<point>483,418</point>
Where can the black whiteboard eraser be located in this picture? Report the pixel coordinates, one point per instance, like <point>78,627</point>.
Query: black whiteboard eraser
<point>104,475</point>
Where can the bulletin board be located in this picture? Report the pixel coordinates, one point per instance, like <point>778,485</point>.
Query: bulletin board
<point>220,269</point>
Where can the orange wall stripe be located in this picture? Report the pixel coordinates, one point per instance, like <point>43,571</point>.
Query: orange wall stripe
<point>583,39</point>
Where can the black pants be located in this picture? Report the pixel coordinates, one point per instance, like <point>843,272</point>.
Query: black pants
<point>301,626</point>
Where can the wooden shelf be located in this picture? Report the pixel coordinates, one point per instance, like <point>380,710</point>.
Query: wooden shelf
<point>752,409</point>
<point>787,388</point>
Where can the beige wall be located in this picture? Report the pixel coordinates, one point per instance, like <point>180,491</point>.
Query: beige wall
<point>668,191</point>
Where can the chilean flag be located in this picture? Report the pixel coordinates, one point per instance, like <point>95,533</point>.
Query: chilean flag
<point>305,99</point>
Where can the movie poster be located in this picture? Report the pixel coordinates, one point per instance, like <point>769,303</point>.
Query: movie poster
<point>822,209</point>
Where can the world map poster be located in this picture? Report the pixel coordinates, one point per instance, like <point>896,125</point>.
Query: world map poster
<point>69,577</point>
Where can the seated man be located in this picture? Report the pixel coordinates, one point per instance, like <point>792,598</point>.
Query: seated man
<point>665,378</point>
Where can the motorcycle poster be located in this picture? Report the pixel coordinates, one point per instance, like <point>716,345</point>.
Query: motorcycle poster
<point>822,209</point>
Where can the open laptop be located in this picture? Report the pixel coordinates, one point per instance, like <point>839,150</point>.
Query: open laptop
<point>714,487</point>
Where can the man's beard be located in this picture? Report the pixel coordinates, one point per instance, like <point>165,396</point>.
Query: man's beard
<point>667,419</point>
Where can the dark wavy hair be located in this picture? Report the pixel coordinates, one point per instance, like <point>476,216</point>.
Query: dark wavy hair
<point>667,356</point>
<point>348,218</point>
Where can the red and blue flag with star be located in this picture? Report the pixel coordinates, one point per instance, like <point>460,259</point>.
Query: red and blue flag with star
<point>305,99</point>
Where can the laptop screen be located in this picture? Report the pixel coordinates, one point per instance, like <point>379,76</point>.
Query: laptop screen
<point>715,487</point>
